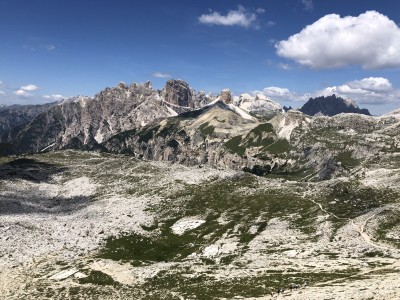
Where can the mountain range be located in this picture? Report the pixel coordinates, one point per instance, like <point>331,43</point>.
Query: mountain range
<point>178,124</point>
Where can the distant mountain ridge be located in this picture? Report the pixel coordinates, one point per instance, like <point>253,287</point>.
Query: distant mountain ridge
<point>331,105</point>
<point>14,116</point>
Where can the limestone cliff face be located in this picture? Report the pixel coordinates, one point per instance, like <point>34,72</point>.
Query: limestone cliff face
<point>178,92</point>
<point>84,122</point>
<point>178,95</point>
<point>313,148</point>
<point>226,96</point>
<point>193,138</point>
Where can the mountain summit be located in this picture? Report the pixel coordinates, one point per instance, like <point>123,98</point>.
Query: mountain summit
<point>331,105</point>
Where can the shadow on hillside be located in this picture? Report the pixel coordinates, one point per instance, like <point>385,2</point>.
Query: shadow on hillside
<point>27,204</point>
<point>29,169</point>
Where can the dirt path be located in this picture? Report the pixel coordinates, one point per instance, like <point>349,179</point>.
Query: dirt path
<point>360,229</point>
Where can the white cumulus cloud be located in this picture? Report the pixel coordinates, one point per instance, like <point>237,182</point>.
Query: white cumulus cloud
<point>370,40</point>
<point>29,87</point>
<point>22,93</point>
<point>161,75</point>
<point>371,90</point>
<point>240,17</point>
<point>283,94</point>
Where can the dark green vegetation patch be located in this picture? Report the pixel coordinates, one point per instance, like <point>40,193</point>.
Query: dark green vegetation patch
<point>206,129</point>
<point>389,229</point>
<point>206,287</point>
<point>98,278</point>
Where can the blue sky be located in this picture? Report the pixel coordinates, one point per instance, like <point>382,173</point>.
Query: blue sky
<point>287,49</point>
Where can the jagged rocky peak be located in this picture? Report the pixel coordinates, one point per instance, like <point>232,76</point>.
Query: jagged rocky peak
<point>178,92</point>
<point>201,98</point>
<point>122,91</point>
<point>226,96</point>
<point>122,85</point>
<point>258,105</point>
<point>331,105</point>
<point>286,108</point>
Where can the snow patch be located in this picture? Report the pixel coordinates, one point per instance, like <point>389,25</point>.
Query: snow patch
<point>213,102</point>
<point>99,137</point>
<point>48,147</point>
<point>64,274</point>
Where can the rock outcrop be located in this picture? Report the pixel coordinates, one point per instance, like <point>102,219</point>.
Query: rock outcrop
<point>331,105</point>
<point>178,92</point>
<point>226,96</point>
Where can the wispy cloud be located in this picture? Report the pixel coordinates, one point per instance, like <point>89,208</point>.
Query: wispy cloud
<point>239,17</point>
<point>370,40</point>
<point>54,97</point>
<point>308,4</point>
<point>285,67</point>
<point>48,47</point>
<point>40,47</point>
<point>161,75</point>
<point>283,94</point>
<point>28,48</point>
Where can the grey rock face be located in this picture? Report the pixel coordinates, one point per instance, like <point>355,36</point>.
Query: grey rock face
<point>83,122</point>
<point>226,96</point>
<point>194,138</point>
<point>201,98</point>
<point>178,92</point>
<point>318,148</point>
